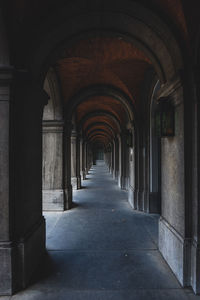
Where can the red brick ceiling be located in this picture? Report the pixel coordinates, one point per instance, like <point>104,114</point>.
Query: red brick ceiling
<point>102,60</point>
<point>99,60</point>
<point>102,103</point>
<point>100,119</point>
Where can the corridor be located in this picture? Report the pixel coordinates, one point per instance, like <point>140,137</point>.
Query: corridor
<point>102,250</point>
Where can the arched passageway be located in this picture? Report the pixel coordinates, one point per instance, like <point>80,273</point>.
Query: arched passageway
<point>111,79</point>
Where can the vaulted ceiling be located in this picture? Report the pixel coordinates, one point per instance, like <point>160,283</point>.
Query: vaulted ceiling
<point>100,60</point>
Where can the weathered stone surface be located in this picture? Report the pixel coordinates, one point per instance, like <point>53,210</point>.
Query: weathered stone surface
<point>175,251</point>
<point>68,197</point>
<point>31,250</point>
<point>53,200</point>
<point>172,188</point>
<point>4,169</point>
<point>52,158</point>
<point>6,262</point>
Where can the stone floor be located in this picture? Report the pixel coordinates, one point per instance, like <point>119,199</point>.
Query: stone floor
<point>102,250</point>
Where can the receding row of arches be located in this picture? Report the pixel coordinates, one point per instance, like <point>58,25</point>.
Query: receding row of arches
<point>86,84</point>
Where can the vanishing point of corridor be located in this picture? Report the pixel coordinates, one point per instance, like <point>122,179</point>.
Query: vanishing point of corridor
<point>102,250</point>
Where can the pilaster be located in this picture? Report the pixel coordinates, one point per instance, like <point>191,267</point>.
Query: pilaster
<point>53,191</point>
<point>67,165</point>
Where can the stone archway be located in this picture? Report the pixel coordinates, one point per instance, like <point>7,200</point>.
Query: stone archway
<point>144,28</point>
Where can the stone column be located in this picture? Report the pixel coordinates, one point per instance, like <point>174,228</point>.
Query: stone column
<point>75,161</point>
<point>141,174</point>
<point>22,230</point>
<point>112,159</point>
<point>84,159</point>
<point>67,165</point>
<point>122,161</point>
<point>81,158</point>
<point>8,274</point>
<point>132,170</point>
<point>93,156</point>
<point>116,158</point>
<point>53,192</point>
<point>108,159</point>
<point>89,157</point>
<point>78,161</point>
<point>195,213</point>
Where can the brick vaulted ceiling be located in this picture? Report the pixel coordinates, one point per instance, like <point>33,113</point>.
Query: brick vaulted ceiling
<point>109,61</point>
<point>100,60</point>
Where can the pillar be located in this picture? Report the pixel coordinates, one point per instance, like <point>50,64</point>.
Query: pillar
<point>195,213</point>
<point>84,159</point>
<point>22,226</point>
<point>116,158</point>
<point>89,158</point>
<point>75,161</point>
<point>122,178</point>
<point>8,276</point>
<point>81,157</point>
<point>67,165</point>
<point>132,169</point>
<point>141,153</point>
<point>112,159</point>
<point>53,191</point>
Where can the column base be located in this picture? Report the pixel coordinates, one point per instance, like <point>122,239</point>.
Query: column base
<point>140,200</point>
<point>132,197</point>
<point>176,251</point>
<point>76,183</point>
<point>53,200</point>
<point>123,182</point>
<point>68,197</point>
<point>116,175</point>
<point>84,175</point>
<point>19,260</point>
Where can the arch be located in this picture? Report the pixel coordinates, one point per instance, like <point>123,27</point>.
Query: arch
<point>99,130</point>
<point>100,124</point>
<point>101,90</point>
<point>99,134</point>
<point>99,113</point>
<point>94,138</point>
<point>125,19</point>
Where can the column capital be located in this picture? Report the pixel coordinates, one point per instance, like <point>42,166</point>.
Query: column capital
<point>74,133</point>
<point>53,126</point>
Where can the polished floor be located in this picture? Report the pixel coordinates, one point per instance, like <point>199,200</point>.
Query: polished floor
<point>102,250</point>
